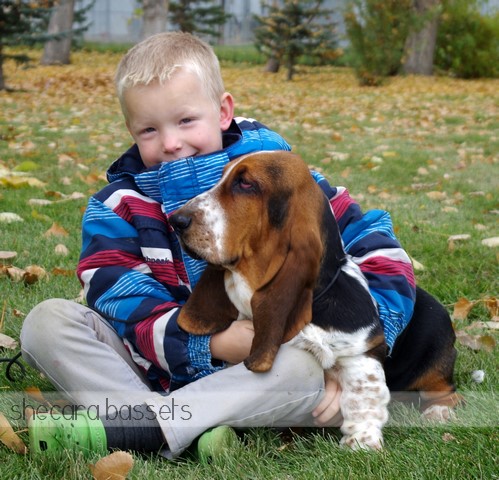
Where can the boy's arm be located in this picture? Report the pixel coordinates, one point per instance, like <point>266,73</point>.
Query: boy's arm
<point>141,299</point>
<point>370,240</point>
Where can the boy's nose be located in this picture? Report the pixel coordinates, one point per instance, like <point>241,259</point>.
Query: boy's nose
<point>171,144</point>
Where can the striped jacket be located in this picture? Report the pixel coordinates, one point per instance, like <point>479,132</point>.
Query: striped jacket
<point>135,274</point>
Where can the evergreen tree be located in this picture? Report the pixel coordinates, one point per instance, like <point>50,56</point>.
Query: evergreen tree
<point>22,22</point>
<point>203,17</point>
<point>25,22</point>
<point>293,29</point>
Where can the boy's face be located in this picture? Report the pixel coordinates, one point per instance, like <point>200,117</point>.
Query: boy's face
<point>177,119</point>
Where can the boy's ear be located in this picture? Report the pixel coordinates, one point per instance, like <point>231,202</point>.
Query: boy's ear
<point>226,111</point>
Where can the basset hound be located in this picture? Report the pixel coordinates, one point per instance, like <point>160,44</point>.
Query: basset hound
<point>275,256</point>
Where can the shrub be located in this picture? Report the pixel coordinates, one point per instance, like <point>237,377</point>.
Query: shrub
<point>468,41</point>
<point>377,30</point>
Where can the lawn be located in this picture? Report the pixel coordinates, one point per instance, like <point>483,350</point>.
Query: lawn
<point>426,149</point>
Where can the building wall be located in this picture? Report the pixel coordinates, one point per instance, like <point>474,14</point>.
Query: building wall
<point>114,21</point>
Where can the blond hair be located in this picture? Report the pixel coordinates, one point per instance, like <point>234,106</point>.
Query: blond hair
<point>158,57</point>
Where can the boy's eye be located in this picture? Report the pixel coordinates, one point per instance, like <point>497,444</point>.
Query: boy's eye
<point>186,120</point>
<point>149,130</point>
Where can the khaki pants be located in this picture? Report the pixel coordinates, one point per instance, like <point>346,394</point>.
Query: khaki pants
<point>83,357</point>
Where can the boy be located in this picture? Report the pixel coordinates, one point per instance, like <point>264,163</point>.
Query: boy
<point>120,357</point>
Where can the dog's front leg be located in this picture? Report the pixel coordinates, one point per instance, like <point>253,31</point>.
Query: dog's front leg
<point>364,402</point>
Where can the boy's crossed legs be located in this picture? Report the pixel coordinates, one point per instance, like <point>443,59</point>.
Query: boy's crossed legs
<point>83,357</point>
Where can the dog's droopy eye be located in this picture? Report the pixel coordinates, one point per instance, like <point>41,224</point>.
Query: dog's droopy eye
<point>242,185</point>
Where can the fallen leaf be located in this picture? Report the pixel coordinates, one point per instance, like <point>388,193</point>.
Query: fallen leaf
<point>480,227</point>
<point>459,238</point>
<point>10,217</point>
<point>7,342</point>
<point>61,249</point>
<point>63,272</point>
<point>494,325</point>
<point>34,273</point>
<point>448,437</point>
<point>28,412</point>
<point>462,308</point>
<point>15,274</point>
<point>10,438</point>
<point>56,230</point>
<point>6,255</point>
<point>417,265</point>
<point>39,202</point>
<point>453,239</point>
<point>492,305</point>
<point>36,394</point>
<point>64,160</point>
<point>491,242</point>
<point>115,466</point>
<point>389,154</point>
<point>18,182</point>
<point>81,297</point>
<point>476,342</point>
<point>436,195</point>
<point>40,216</point>
<point>26,166</point>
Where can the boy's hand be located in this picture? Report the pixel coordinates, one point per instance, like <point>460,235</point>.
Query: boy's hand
<point>233,345</point>
<point>328,413</point>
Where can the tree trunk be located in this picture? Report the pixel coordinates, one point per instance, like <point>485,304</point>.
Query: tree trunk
<point>2,78</point>
<point>155,17</point>
<point>272,65</point>
<point>57,51</point>
<point>420,45</point>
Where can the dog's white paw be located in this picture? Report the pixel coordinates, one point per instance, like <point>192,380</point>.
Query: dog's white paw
<point>371,439</point>
<point>439,413</point>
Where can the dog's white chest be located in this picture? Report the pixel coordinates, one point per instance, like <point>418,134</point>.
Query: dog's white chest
<point>239,293</point>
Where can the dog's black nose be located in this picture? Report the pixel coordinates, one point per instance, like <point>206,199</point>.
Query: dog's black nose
<point>180,222</point>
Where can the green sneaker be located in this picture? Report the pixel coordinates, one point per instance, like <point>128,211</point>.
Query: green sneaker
<point>55,431</point>
<point>215,441</point>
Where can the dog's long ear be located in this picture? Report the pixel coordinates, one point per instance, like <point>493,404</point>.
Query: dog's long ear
<point>283,306</point>
<point>208,309</point>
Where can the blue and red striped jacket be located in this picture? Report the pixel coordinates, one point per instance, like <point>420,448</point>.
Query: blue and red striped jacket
<point>135,274</point>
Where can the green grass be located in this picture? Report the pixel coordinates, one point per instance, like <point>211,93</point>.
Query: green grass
<point>391,147</point>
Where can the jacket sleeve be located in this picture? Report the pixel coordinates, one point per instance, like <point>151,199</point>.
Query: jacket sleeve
<point>370,240</point>
<point>129,275</point>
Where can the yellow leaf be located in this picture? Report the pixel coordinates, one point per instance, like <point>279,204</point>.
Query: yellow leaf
<point>389,154</point>
<point>115,466</point>
<point>476,342</point>
<point>56,230</point>
<point>462,308</point>
<point>492,305</point>
<point>34,273</point>
<point>436,195</point>
<point>10,438</point>
<point>40,216</point>
<point>36,394</point>
<point>417,265</point>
